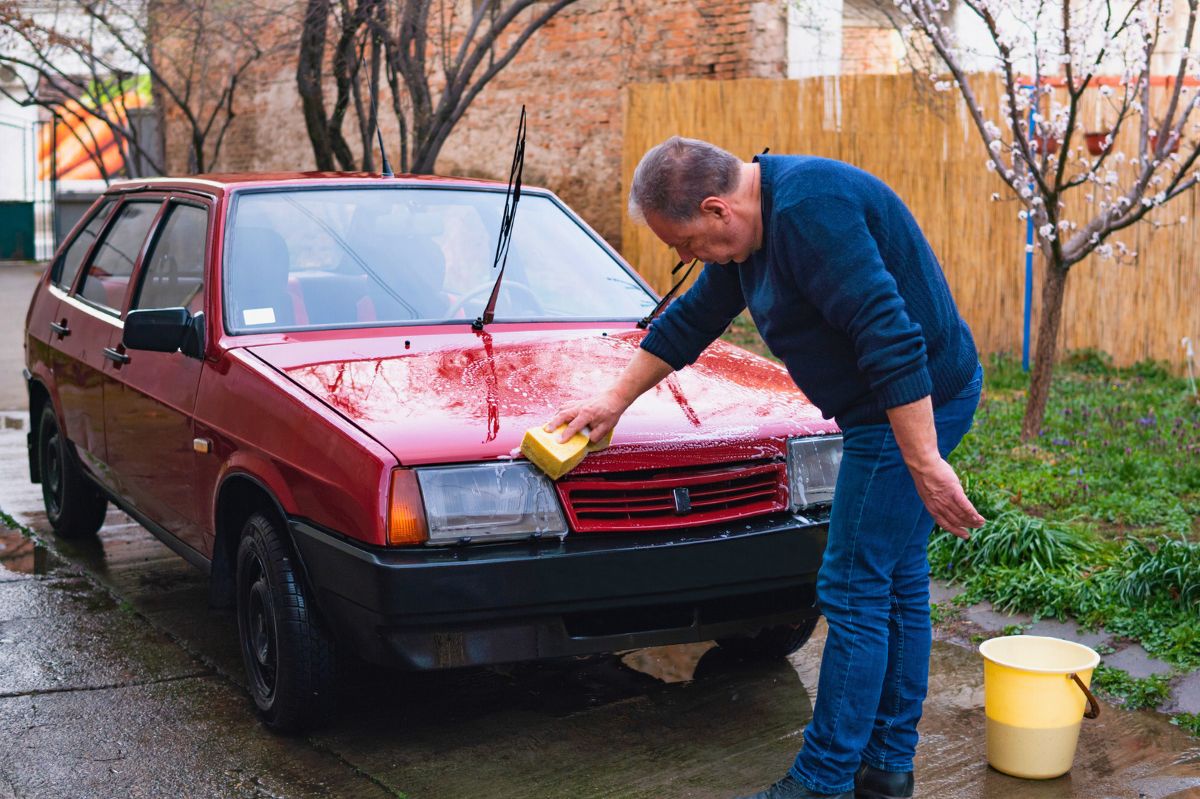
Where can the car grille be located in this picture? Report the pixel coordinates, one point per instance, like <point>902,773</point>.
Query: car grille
<point>674,498</point>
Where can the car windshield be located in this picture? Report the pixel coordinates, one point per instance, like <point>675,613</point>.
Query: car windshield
<point>352,257</point>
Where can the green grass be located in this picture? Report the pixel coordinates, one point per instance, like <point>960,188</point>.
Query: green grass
<point>1022,563</point>
<point>1097,519</point>
<point>743,333</point>
<point>1119,452</point>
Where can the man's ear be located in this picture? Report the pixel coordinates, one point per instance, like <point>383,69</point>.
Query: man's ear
<point>717,206</point>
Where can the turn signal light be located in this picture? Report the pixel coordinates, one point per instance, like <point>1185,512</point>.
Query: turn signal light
<point>406,514</point>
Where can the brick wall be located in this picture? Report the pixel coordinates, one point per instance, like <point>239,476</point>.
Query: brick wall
<point>571,76</point>
<point>870,51</point>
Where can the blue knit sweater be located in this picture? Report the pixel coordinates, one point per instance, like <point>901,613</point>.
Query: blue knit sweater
<point>845,290</point>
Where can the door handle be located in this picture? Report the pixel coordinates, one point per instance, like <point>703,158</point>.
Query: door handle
<point>115,356</point>
<point>61,330</point>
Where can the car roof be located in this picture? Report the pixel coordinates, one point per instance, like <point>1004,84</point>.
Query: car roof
<point>229,181</point>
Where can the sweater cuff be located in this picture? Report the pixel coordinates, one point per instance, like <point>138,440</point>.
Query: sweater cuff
<point>906,388</point>
<point>656,344</point>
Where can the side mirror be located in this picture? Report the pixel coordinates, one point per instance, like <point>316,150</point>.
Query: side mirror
<point>164,330</point>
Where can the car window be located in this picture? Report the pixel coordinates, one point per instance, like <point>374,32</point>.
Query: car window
<point>67,267</point>
<point>107,277</point>
<point>356,257</point>
<point>174,273</point>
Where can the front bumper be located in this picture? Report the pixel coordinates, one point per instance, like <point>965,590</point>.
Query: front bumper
<point>429,608</point>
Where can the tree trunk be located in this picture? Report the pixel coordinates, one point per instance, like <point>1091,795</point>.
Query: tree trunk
<point>426,159</point>
<point>309,84</point>
<point>1053,291</point>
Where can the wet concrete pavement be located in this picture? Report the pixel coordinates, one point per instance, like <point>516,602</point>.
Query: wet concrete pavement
<point>117,680</point>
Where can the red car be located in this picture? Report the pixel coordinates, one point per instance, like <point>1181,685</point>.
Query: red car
<point>278,376</point>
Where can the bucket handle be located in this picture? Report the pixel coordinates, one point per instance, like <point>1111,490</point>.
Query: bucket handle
<point>1093,708</point>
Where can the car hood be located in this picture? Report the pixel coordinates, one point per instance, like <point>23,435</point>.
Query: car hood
<point>446,397</point>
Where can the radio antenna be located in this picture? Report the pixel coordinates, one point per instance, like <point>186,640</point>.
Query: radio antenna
<point>386,169</point>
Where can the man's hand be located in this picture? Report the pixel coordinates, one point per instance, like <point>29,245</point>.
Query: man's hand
<point>599,414</point>
<point>935,479</point>
<point>945,499</point>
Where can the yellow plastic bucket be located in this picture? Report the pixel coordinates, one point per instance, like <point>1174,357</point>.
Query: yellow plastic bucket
<point>1035,691</point>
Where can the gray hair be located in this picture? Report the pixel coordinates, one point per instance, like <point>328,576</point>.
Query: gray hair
<point>674,177</point>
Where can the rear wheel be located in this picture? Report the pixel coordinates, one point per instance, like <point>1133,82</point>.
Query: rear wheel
<point>74,506</point>
<point>289,658</point>
<point>773,642</point>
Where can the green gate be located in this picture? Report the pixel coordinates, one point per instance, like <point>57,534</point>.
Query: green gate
<point>16,231</point>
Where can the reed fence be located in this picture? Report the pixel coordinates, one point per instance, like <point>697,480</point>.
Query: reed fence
<point>929,152</point>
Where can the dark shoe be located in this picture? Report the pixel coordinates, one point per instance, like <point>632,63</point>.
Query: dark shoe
<point>789,788</point>
<point>871,783</point>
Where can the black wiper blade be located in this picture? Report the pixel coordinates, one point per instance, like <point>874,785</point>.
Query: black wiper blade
<point>511,197</point>
<point>666,298</point>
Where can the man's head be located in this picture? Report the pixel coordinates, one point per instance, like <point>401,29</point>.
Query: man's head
<point>699,199</point>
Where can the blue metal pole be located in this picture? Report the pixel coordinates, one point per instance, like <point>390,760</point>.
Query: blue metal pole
<point>1028,247</point>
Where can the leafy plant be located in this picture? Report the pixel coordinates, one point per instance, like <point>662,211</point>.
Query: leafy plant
<point>1189,721</point>
<point>1134,693</point>
<point>1162,567</point>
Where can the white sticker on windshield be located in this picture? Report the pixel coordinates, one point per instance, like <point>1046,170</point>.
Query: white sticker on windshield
<point>258,316</point>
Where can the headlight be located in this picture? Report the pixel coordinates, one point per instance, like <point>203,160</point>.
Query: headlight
<point>489,502</point>
<point>812,465</point>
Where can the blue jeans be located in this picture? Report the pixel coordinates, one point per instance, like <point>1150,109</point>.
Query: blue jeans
<point>873,588</point>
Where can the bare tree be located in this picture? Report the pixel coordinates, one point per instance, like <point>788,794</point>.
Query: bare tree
<point>77,59</point>
<point>1051,54</point>
<point>434,60</point>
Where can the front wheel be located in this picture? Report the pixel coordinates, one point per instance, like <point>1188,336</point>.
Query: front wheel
<point>74,506</point>
<point>771,643</point>
<point>289,658</point>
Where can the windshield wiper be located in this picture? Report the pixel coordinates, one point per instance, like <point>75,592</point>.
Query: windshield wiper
<point>648,318</point>
<point>511,197</point>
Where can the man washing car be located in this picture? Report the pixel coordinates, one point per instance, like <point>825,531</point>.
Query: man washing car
<point>846,291</point>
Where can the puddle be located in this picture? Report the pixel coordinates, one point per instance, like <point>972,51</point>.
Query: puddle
<point>670,664</point>
<point>21,555</point>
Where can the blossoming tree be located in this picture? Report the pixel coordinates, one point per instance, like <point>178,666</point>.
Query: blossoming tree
<point>1136,59</point>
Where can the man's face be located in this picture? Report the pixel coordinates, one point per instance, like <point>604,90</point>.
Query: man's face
<point>714,235</point>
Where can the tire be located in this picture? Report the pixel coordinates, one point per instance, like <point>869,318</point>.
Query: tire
<point>772,643</point>
<point>74,506</point>
<point>289,658</point>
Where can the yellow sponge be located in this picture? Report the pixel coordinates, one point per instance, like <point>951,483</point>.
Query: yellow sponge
<point>544,450</point>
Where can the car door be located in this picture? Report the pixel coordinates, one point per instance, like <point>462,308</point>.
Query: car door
<point>148,414</point>
<point>45,328</point>
<point>90,326</point>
